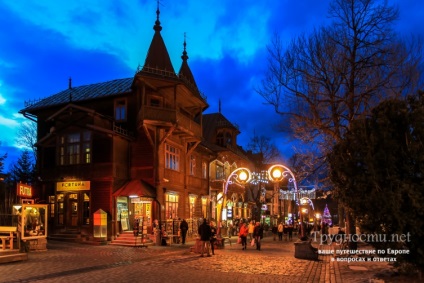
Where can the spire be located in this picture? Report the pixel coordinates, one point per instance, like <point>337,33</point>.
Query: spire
<point>157,26</point>
<point>157,58</point>
<point>185,72</point>
<point>184,57</point>
<point>219,105</point>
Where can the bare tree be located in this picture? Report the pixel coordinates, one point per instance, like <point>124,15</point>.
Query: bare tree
<point>27,137</point>
<point>263,147</point>
<point>325,80</point>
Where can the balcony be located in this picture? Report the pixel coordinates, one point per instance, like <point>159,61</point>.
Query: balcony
<point>158,116</point>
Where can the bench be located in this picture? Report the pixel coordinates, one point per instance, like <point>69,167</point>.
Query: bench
<point>7,234</point>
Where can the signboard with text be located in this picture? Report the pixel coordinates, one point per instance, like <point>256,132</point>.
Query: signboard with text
<point>23,190</point>
<point>73,186</point>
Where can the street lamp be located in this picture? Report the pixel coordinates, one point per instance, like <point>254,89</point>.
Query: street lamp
<point>278,172</point>
<point>241,176</point>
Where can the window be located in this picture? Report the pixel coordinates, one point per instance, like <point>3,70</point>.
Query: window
<point>192,165</point>
<point>75,148</point>
<point>220,139</point>
<point>192,200</point>
<point>171,206</point>
<point>219,172</point>
<point>155,102</point>
<point>228,139</point>
<point>172,157</point>
<point>204,170</point>
<point>121,110</point>
<point>204,207</point>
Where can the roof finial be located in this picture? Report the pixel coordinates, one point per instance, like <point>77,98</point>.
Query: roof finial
<point>219,106</point>
<point>70,83</point>
<point>157,26</point>
<point>184,57</point>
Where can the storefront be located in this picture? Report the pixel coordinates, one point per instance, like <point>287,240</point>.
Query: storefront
<point>71,204</point>
<point>135,203</point>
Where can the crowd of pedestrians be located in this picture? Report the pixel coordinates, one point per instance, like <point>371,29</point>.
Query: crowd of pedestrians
<point>249,233</point>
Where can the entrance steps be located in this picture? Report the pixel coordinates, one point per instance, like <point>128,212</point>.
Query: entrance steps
<point>127,238</point>
<point>68,236</point>
<point>12,256</point>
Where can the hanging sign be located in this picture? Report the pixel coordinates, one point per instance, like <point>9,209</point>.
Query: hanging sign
<point>23,190</point>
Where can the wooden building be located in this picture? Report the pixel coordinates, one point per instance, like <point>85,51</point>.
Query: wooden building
<point>130,147</point>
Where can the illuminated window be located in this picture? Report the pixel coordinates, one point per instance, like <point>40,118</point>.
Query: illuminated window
<point>171,206</point>
<point>172,157</point>
<point>121,110</point>
<point>204,207</point>
<point>220,172</point>
<point>204,170</point>
<point>75,148</point>
<point>192,200</point>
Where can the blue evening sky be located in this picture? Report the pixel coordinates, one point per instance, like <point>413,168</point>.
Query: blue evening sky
<point>44,42</point>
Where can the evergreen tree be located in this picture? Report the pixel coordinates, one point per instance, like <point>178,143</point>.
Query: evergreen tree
<point>23,170</point>
<point>380,165</point>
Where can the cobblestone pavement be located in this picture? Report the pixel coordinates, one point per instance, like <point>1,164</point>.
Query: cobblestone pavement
<point>69,262</point>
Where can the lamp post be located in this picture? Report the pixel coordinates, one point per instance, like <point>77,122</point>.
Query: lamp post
<point>241,176</point>
<point>276,173</point>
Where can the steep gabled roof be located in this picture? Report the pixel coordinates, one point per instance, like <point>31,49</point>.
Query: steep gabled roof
<point>81,93</point>
<point>158,56</point>
<point>214,121</point>
<point>185,71</point>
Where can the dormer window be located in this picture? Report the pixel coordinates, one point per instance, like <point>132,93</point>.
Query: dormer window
<point>220,139</point>
<point>121,110</point>
<point>155,101</point>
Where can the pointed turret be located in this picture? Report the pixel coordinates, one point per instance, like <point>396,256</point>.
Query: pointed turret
<point>185,72</point>
<point>157,58</point>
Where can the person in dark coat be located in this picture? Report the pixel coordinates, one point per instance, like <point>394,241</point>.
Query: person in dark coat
<point>183,228</point>
<point>205,237</point>
<point>213,236</point>
<point>258,234</point>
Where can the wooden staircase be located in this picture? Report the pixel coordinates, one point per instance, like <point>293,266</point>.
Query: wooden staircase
<point>127,239</point>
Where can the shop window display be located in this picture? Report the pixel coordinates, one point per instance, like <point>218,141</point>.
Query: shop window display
<point>32,220</point>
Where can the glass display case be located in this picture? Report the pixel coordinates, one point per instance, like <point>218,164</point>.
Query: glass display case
<point>32,220</point>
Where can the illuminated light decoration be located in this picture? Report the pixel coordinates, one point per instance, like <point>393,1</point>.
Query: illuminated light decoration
<point>241,176</point>
<point>307,201</point>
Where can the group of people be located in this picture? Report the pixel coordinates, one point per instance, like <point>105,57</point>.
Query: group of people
<point>282,229</point>
<point>255,231</point>
<point>207,232</point>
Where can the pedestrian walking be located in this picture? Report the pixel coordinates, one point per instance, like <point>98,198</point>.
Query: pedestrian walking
<point>244,230</point>
<point>280,231</point>
<point>274,231</point>
<point>251,227</point>
<point>213,237</point>
<point>258,233</point>
<point>184,229</point>
<point>205,237</point>
<point>290,232</point>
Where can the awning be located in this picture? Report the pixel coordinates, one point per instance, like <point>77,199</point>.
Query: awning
<point>138,188</point>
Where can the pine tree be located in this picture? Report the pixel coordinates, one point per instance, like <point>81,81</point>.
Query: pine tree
<point>23,170</point>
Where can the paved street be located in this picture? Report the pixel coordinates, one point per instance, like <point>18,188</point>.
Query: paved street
<point>68,262</point>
